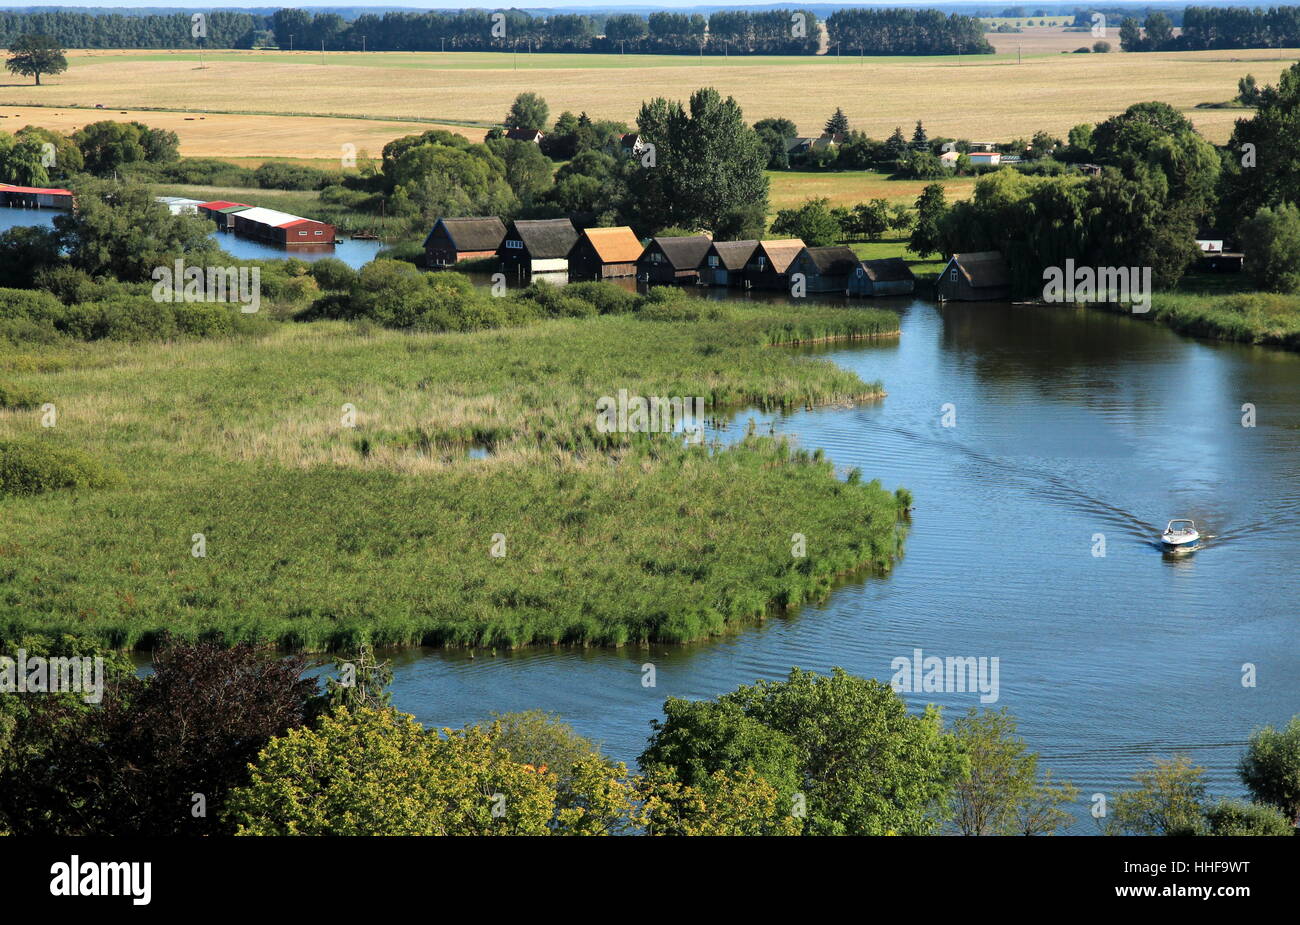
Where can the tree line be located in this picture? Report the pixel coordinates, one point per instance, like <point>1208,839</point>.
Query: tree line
<point>783,31</point>
<point>254,747</point>
<point>1214,27</point>
<point>906,32</point>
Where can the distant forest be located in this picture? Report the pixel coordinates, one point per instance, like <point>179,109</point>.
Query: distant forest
<point>731,32</point>
<point>1215,27</point>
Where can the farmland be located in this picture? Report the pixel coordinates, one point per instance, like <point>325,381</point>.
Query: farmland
<point>316,103</point>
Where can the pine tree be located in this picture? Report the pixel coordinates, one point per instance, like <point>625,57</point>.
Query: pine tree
<point>838,124</point>
<point>919,138</point>
<point>895,145</point>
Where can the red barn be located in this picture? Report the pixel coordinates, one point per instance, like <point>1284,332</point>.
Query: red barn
<point>35,197</point>
<point>280,227</point>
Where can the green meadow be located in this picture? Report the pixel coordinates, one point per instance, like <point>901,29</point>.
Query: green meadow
<point>324,472</point>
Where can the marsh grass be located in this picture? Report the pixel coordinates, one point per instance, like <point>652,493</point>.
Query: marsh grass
<point>322,536</point>
<point>1245,317</point>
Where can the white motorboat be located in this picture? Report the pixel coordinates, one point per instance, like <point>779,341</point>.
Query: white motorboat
<point>1180,534</point>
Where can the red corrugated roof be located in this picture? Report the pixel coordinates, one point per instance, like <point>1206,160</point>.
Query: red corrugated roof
<point>301,221</point>
<point>9,187</point>
<point>222,204</point>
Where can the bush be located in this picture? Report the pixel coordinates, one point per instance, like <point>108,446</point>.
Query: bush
<point>291,177</point>
<point>670,304</point>
<point>608,298</point>
<point>29,468</point>
<point>333,275</point>
<point>17,397</point>
<point>1271,240</point>
<point>1234,818</point>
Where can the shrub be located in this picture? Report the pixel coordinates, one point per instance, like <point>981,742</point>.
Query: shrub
<point>17,397</point>
<point>29,468</point>
<point>665,303</point>
<point>1234,818</point>
<point>291,177</point>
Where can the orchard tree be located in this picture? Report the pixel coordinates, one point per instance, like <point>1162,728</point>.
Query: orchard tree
<point>34,55</point>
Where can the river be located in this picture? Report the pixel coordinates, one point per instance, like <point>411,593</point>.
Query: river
<point>1070,428</point>
<point>1068,424</point>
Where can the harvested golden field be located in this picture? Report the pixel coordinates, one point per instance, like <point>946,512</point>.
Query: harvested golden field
<point>218,134</point>
<point>982,97</point>
<point>1049,40</point>
<point>849,187</point>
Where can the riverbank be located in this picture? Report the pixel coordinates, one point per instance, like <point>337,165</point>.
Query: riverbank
<point>1266,318</point>
<point>313,489</point>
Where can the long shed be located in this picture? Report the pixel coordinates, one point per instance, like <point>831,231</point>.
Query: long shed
<point>724,262</point>
<point>890,276</point>
<point>604,253</point>
<point>281,227</point>
<point>35,197</point>
<point>673,260</point>
<point>222,212</point>
<point>980,276</point>
<point>823,269</point>
<point>538,245</point>
<point>768,266</point>
<point>455,239</point>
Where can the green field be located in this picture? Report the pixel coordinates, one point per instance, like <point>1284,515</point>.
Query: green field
<point>320,535</point>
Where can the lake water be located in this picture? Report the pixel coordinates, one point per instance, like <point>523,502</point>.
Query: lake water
<point>1070,426</point>
<point>354,253</point>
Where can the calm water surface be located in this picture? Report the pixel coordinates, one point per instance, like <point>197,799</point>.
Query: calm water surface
<point>354,253</point>
<point>1069,424</point>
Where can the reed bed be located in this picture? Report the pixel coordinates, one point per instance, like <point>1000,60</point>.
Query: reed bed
<point>320,536</point>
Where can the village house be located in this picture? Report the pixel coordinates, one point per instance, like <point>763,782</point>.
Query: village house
<point>890,276</point>
<point>823,269</point>
<point>604,253</point>
<point>981,276</point>
<point>724,262</point>
<point>538,245</point>
<point>803,144</point>
<point>767,266</point>
<point>526,134</point>
<point>672,260</point>
<point>452,240</point>
<point>1219,254</point>
<point>632,144</point>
